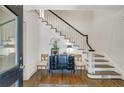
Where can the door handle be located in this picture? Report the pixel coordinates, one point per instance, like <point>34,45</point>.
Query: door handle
<point>22,66</point>
<point>21,63</point>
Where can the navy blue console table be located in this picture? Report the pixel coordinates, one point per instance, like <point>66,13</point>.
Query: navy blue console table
<point>61,62</point>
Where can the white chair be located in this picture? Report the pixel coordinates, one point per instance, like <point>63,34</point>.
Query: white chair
<point>79,62</point>
<point>44,62</point>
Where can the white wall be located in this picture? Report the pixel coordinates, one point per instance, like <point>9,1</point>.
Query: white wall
<point>45,37</point>
<point>31,43</point>
<point>80,19</point>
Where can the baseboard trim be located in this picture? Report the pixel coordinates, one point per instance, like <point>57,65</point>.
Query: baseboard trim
<point>104,76</point>
<point>122,77</point>
<point>30,75</point>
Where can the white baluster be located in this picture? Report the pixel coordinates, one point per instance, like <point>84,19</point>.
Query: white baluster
<point>40,13</point>
<point>46,15</point>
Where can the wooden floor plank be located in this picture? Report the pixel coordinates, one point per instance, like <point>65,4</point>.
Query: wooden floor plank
<point>101,60</point>
<point>98,55</point>
<point>106,73</point>
<point>103,66</point>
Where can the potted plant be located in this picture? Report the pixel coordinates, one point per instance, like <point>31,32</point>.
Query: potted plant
<point>55,48</point>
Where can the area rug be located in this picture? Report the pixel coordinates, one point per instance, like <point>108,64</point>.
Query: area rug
<point>62,85</point>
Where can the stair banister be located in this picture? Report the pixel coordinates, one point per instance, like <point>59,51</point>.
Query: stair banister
<point>91,49</point>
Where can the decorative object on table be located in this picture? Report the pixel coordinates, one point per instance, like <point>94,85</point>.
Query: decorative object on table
<point>69,49</point>
<point>55,46</point>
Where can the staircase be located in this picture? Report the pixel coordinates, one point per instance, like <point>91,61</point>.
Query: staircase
<point>102,68</point>
<point>98,65</point>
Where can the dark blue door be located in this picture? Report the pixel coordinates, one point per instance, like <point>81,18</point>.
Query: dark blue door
<point>11,58</point>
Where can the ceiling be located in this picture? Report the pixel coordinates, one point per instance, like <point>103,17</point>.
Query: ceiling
<point>74,7</point>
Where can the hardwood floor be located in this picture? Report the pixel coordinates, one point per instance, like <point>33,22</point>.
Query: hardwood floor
<point>72,79</point>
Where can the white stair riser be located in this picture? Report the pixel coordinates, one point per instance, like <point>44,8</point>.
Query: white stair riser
<point>44,23</point>
<point>100,63</point>
<point>49,27</point>
<point>104,69</point>
<point>53,30</point>
<point>105,76</point>
<point>97,58</point>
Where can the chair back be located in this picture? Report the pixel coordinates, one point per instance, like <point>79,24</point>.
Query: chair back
<point>78,57</point>
<point>44,57</point>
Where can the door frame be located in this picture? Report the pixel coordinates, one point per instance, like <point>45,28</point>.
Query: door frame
<point>15,74</point>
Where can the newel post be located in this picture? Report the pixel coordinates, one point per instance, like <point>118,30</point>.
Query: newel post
<point>90,62</point>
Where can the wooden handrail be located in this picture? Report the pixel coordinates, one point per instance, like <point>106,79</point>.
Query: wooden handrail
<point>7,22</point>
<point>91,49</point>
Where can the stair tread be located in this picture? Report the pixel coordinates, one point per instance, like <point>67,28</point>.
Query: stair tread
<point>43,21</point>
<point>101,60</point>
<point>106,73</point>
<point>98,55</point>
<point>53,28</point>
<point>103,66</point>
<point>49,25</point>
